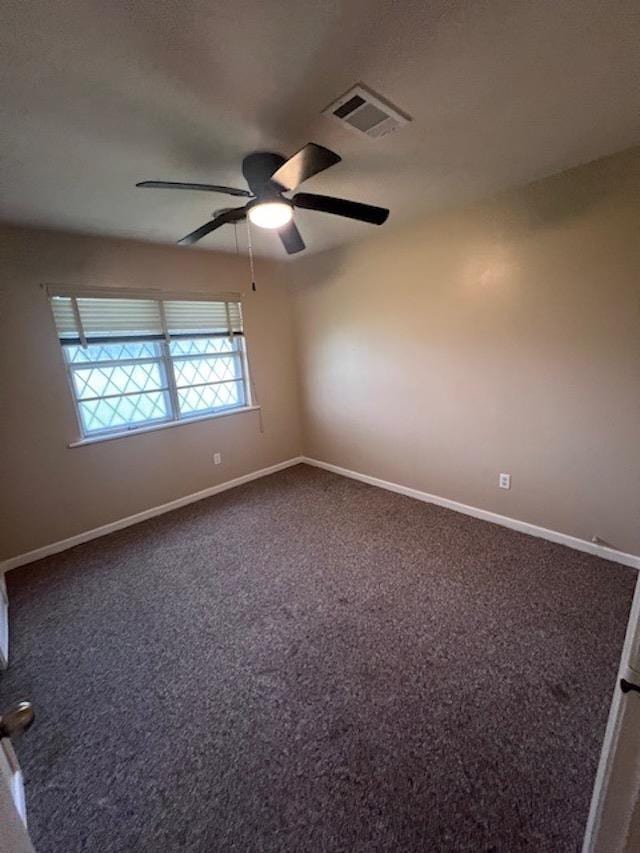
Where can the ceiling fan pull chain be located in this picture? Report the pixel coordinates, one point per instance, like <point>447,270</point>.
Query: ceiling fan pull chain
<point>253,287</point>
<point>253,273</point>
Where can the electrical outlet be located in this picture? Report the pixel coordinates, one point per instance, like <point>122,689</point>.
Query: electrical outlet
<point>504,481</point>
<point>217,458</point>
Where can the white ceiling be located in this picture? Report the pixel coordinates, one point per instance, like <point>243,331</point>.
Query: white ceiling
<point>98,95</point>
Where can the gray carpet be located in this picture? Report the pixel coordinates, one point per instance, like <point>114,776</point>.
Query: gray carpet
<point>307,663</point>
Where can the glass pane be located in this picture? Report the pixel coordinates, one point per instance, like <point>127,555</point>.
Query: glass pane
<point>111,352</point>
<point>196,371</point>
<point>201,346</point>
<point>208,398</point>
<point>117,379</point>
<point>99,415</point>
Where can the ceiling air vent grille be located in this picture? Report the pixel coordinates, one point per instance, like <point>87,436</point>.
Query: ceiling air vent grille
<point>365,112</point>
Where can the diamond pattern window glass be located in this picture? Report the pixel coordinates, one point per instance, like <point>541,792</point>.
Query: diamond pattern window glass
<point>117,412</point>
<point>203,370</point>
<point>210,398</point>
<point>103,381</point>
<point>143,379</point>
<point>110,352</point>
<point>200,346</point>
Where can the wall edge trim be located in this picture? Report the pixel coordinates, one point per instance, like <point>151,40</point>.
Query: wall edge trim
<point>476,512</point>
<point>136,518</point>
<point>485,515</point>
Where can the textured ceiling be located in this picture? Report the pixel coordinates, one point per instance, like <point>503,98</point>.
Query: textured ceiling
<point>98,95</point>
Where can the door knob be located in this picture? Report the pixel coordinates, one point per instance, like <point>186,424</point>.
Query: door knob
<point>16,719</point>
<point>626,686</point>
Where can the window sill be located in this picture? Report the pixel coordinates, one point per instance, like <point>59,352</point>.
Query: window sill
<point>167,425</point>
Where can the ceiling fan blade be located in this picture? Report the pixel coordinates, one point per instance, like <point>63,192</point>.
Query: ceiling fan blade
<point>342,207</point>
<point>179,185</point>
<point>291,238</point>
<point>306,163</point>
<point>232,215</point>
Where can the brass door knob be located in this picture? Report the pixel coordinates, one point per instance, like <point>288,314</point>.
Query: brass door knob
<point>16,719</point>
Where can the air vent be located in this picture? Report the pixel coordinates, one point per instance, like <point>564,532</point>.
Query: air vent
<point>366,112</point>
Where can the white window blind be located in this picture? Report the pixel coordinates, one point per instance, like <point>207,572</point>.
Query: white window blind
<point>84,318</point>
<point>140,361</point>
<point>185,316</point>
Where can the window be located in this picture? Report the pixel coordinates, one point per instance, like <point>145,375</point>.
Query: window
<point>136,363</point>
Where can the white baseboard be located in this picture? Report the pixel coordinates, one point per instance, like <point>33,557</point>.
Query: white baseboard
<point>87,535</point>
<point>513,523</point>
<point>504,520</point>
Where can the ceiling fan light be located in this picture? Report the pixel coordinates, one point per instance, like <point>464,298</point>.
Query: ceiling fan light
<point>271,214</point>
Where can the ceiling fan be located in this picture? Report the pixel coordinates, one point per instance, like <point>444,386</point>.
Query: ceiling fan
<point>269,176</point>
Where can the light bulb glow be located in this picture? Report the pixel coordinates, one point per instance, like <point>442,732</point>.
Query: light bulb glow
<point>271,214</point>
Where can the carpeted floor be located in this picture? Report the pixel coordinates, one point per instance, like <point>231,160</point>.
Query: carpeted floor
<point>307,663</point>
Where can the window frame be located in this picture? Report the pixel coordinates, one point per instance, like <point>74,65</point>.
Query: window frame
<point>166,362</point>
<point>238,353</point>
<point>170,389</point>
<point>123,429</point>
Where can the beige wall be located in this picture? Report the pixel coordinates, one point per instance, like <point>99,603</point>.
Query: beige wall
<point>50,492</point>
<point>505,337</point>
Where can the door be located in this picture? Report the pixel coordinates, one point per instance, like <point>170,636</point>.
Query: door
<point>614,818</point>
<point>4,625</point>
<point>14,837</point>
